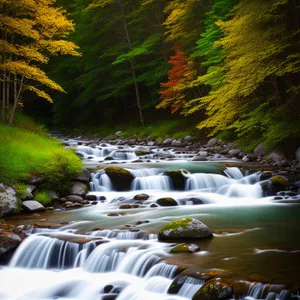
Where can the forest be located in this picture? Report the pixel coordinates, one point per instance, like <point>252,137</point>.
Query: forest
<point>228,67</point>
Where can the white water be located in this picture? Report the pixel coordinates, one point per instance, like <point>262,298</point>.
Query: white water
<point>159,182</point>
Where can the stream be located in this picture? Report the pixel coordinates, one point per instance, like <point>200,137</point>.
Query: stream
<point>105,252</point>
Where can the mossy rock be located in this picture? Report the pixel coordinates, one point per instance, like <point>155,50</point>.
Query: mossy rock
<point>177,284</point>
<point>167,202</point>
<point>184,229</point>
<point>278,183</point>
<point>142,153</point>
<point>177,177</point>
<point>265,175</point>
<point>215,289</point>
<point>108,158</point>
<point>185,248</point>
<point>141,197</point>
<point>120,177</point>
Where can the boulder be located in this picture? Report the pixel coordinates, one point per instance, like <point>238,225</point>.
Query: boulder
<point>84,176</point>
<point>297,154</point>
<point>278,183</point>
<point>29,190</point>
<point>188,138</point>
<point>91,197</point>
<point>8,199</point>
<point>128,206</point>
<point>118,133</point>
<point>234,152</point>
<point>184,229</point>
<point>176,143</point>
<point>32,206</point>
<point>78,188</point>
<point>202,153</point>
<point>141,197</point>
<point>8,242</point>
<point>199,158</point>
<point>151,143</point>
<point>167,202</point>
<point>54,195</point>
<point>177,177</point>
<point>215,289</point>
<point>185,248</point>
<point>120,177</point>
<point>212,142</point>
<point>260,149</point>
<point>74,198</point>
<point>167,142</point>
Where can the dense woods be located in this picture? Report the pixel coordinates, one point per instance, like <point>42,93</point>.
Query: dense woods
<point>231,66</point>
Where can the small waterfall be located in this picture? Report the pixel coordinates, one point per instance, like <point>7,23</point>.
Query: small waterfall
<point>205,181</point>
<point>163,270</point>
<point>190,287</point>
<point>122,234</point>
<point>159,182</point>
<point>234,173</point>
<point>267,291</point>
<point>144,172</point>
<point>241,190</point>
<point>43,252</point>
<point>123,155</point>
<point>101,182</point>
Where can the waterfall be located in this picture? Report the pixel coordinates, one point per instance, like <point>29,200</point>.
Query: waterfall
<point>144,172</point>
<point>234,173</point>
<point>100,182</point>
<point>163,270</point>
<point>190,287</point>
<point>123,155</point>
<point>159,182</point>
<point>119,234</point>
<point>205,181</point>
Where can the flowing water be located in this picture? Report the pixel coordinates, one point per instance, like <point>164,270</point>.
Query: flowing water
<point>98,256</point>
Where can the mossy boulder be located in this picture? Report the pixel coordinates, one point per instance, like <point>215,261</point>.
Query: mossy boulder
<point>185,248</point>
<point>177,177</point>
<point>278,183</point>
<point>120,177</point>
<point>167,202</point>
<point>108,158</point>
<point>215,289</point>
<point>184,229</point>
<point>141,197</point>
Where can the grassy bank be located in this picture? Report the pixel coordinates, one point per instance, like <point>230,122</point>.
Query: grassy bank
<point>25,153</point>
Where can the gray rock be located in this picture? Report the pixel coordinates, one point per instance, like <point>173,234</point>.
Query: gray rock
<point>260,149</point>
<point>151,143</point>
<point>188,138</point>
<point>54,195</point>
<point>234,152</point>
<point>118,133</point>
<point>29,190</point>
<point>84,176</point>
<point>212,142</point>
<point>203,153</point>
<point>74,198</point>
<point>176,143</point>
<point>246,158</point>
<point>77,188</point>
<point>32,206</point>
<point>8,199</point>
<point>297,154</point>
<point>199,158</point>
<point>167,142</point>
<point>185,229</point>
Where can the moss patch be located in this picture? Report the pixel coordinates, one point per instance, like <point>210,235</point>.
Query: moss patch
<point>120,177</point>
<point>177,177</point>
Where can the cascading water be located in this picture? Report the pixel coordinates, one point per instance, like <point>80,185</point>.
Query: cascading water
<point>117,256</point>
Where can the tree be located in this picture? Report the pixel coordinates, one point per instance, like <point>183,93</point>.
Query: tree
<point>179,77</point>
<point>32,32</point>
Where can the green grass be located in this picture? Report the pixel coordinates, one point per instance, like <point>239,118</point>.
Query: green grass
<point>43,197</point>
<point>24,153</point>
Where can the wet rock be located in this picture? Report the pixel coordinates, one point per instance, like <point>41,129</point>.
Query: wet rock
<point>83,177</point>
<point>167,202</point>
<point>215,289</point>
<point>94,203</point>
<point>9,241</point>
<point>78,188</point>
<point>265,175</point>
<point>167,142</point>
<point>197,201</point>
<point>177,177</point>
<point>113,215</point>
<point>260,149</point>
<point>142,222</point>
<point>177,283</point>
<point>199,158</point>
<point>278,183</point>
<point>186,229</point>
<point>203,153</point>
<point>120,177</point>
<point>153,205</point>
<point>91,197</point>
<point>32,206</point>
<point>185,248</point>
<point>234,152</point>
<point>8,199</point>
<point>241,287</point>
<point>108,158</point>
<point>102,198</point>
<point>188,138</point>
<point>63,199</point>
<point>141,197</point>
<point>128,206</point>
<point>212,142</point>
<point>176,143</point>
<point>151,143</point>
<point>74,198</point>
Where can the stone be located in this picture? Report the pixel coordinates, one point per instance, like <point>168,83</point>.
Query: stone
<point>84,176</point>
<point>8,199</point>
<point>202,153</point>
<point>35,180</point>
<point>265,175</point>
<point>54,195</point>
<point>118,133</point>
<point>199,158</point>
<point>153,205</point>
<point>188,138</point>
<point>167,142</point>
<point>113,215</point>
<point>177,177</point>
<point>215,289</point>
<point>108,158</point>
<point>128,206</point>
<point>184,229</point>
<point>151,143</point>
<point>74,198</point>
<point>260,149</point>
<point>29,190</point>
<point>176,143</point>
<point>32,206</point>
<point>78,188</point>
<point>9,241</point>
<point>141,197</point>
<point>246,158</point>
<point>197,201</point>
<point>297,154</point>
<point>234,152</point>
<point>167,202</point>
<point>212,142</point>
<point>185,248</point>
<point>91,197</point>
<point>120,177</point>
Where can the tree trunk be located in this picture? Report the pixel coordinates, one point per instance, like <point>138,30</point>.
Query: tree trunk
<point>137,94</point>
<point>16,99</point>
<point>3,110</point>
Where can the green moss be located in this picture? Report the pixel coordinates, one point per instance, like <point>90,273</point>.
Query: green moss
<point>43,197</point>
<point>180,248</point>
<point>184,223</point>
<point>120,177</point>
<point>279,180</point>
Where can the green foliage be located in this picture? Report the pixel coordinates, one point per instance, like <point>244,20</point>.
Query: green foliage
<point>24,153</point>
<point>43,197</point>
